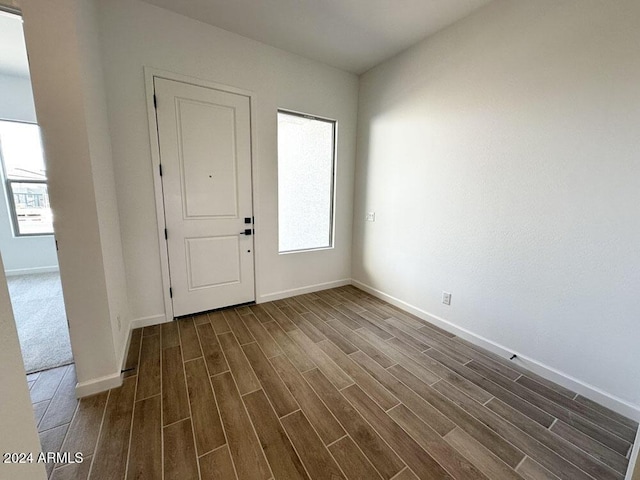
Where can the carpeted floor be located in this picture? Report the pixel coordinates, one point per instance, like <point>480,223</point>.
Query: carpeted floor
<point>38,308</point>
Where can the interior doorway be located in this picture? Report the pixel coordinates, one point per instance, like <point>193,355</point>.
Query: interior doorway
<point>27,241</point>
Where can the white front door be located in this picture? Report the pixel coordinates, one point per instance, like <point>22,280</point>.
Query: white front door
<point>205,154</point>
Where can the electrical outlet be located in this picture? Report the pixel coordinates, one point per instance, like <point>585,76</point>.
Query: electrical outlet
<point>119,322</point>
<point>371,217</point>
<point>446,298</point>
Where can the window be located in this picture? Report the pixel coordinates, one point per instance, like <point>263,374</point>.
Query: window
<point>25,178</point>
<point>306,162</point>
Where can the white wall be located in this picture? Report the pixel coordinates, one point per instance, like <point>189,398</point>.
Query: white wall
<point>103,175</point>
<point>135,35</point>
<point>501,157</point>
<point>21,254</point>
<point>17,424</point>
<point>64,60</point>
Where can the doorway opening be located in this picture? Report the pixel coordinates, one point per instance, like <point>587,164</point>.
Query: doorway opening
<point>27,240</point>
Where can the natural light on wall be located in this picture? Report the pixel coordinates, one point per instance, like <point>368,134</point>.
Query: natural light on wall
<point>25,178</point>
<point>306,147</point>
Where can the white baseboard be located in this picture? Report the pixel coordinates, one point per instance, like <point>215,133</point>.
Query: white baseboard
<point>634,460</point>
<point>125,350</point>
<point>148,321</point>
<point>97,385</point>
<point>114,380</point>
<point>592,392</point>
<point>270,297</point>
<point>30,271</point>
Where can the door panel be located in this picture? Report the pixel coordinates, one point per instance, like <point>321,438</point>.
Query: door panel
<point>207,194</point>
<point>212,261</point>
<point>205,151</point>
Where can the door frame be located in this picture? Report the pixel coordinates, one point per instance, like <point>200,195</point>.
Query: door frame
<point>150,74</point>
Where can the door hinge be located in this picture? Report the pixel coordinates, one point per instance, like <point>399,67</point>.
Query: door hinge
<point>166,235</point>
<point>160,168</point>
<point>155,101</point>
<point>170,292</point>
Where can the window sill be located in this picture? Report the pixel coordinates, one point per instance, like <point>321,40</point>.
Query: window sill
<point>319,249</point>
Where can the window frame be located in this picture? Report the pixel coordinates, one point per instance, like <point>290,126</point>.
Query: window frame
<point>332,193</point>
<point>9,190</point>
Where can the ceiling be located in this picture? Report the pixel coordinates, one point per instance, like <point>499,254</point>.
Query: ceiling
<point>13,52</point>
<point>352,35</point>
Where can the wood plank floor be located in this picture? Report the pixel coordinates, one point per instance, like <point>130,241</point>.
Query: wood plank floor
<point>336,384</point>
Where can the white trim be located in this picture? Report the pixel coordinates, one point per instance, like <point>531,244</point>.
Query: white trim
<point>149,74</point>
<point>590,391</point>
<point>634,460</point>
<point>97,385</point>
<point>125,350</point>
<point>31,271</point>
<point>101,384</point>
<point>269,297</point>
<point>148,321</point>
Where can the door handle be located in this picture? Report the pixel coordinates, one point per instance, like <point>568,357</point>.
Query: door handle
<point>247,231</point>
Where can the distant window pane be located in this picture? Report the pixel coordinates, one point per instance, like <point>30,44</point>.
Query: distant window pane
<point>22,151</point>
<point>25,178</point>
<point>305,182</point>
<point>32,210</point>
